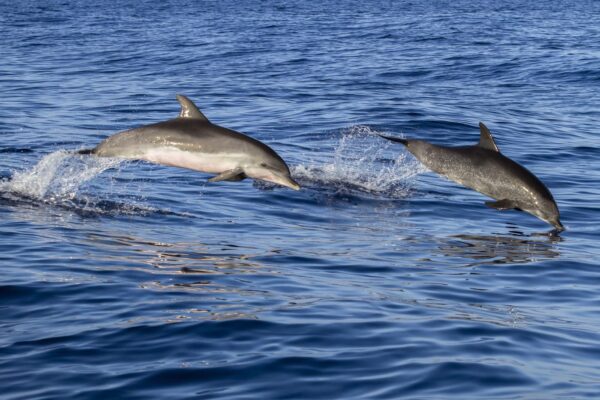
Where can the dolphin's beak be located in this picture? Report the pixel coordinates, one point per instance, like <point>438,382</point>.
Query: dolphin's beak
<point>559,227</point>
<point>285,180</point>
<point>289,182</point>
<point>279,177</point>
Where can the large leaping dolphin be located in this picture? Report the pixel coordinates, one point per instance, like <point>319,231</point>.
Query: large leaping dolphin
<point>192,141</point>
<point>483,168</point>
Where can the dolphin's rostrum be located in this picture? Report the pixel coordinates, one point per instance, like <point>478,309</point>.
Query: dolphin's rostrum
<point>192,141</point>
<point>483,168</point>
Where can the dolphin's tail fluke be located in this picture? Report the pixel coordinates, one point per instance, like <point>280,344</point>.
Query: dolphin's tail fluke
<point>395,139</point>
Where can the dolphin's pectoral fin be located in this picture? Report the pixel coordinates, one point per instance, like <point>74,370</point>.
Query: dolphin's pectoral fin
<point>504,204</point>
<point>233,175</point>
<point>237,178</point>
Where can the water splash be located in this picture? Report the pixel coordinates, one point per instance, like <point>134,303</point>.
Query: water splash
<point>57,176</point>
<point>363,164</point>
<point>59,179</point>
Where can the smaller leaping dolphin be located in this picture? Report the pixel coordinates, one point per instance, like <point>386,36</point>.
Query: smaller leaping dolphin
<point>484,169</point>
<point>191,141</point>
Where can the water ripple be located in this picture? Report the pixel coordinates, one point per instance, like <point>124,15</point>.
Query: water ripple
<point>377,280</point>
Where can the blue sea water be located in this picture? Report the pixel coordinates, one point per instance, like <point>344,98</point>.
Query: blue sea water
<point>377,280</point>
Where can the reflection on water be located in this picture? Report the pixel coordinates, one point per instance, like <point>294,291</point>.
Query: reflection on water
<point>499,249</point>
<point>188,258</point>
<point>215,276</point>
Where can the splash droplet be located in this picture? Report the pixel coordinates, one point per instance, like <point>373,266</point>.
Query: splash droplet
<point>362,165</point>
<point>57,176</point>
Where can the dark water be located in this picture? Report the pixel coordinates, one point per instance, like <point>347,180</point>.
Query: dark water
<point>377,280</point>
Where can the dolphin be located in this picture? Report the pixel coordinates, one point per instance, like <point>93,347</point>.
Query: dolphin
<point>484,169</point>
<point>191,141</point>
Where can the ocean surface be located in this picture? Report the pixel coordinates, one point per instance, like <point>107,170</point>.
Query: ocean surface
<point>378,280</point>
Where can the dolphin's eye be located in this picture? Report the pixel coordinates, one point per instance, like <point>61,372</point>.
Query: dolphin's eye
<point>263,165</point>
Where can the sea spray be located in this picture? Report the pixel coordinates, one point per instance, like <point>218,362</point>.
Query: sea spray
<point>57,176</point>
<point>63,179</point>
<point>361,164</point>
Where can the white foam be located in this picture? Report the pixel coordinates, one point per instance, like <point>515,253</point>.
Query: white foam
<point>57,176</point>
<point>362,164</point>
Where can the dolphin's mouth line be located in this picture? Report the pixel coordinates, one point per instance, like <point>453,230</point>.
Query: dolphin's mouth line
<point>283,180</point>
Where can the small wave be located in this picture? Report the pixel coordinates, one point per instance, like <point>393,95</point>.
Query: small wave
<point>87,205</point>
<point>15,150</point>
<point>362,165</point>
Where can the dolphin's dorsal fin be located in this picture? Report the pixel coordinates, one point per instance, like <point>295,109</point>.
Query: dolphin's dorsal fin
<point>189,109</point>
<point>486,140</point>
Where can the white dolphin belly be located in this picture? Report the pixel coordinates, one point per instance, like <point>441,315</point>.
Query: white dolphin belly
<point>198,161</point>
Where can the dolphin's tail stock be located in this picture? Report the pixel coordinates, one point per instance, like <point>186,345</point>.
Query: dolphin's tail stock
<point>85,151</point>
<point>395,139</point>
